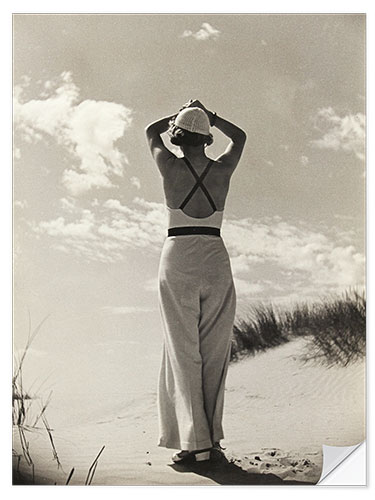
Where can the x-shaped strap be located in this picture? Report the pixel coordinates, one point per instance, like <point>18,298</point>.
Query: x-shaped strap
<point>198,184</point>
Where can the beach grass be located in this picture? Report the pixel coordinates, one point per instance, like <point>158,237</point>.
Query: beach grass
<point>335,328</point>
<point>23,407</point>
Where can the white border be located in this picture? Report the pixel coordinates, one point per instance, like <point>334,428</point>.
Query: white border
<point>117,6</point>
<point>193,6</point>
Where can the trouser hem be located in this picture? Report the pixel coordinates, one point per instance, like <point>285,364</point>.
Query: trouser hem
<point>185,445</point>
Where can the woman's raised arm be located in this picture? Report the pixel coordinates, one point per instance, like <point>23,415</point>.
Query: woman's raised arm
<point>159,126</point>
<point>160,153</point>
<point>232,154</point>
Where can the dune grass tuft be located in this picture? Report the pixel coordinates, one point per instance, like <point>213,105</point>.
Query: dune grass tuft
<point>22,421</point>
<point>335,328</point>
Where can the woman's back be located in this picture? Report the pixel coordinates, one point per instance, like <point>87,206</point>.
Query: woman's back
<point>184,191</point>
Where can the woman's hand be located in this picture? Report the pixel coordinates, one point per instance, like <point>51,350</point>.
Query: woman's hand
<point>194,103</point>
<point>187,105</point>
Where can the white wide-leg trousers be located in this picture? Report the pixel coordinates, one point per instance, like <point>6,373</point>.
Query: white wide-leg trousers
<point>197,302</point>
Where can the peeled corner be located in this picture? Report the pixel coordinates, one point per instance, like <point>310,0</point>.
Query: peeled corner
<point>344,465</point>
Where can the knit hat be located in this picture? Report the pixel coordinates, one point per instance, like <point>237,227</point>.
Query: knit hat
<point>194,120</point>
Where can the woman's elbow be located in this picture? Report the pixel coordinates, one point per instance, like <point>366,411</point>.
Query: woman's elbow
<point>149,131</point>
<point>241,137</point>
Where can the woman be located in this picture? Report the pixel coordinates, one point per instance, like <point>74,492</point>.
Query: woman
<point>196,291</point>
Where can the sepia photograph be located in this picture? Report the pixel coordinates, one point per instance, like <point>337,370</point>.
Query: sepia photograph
<point>189,247</point>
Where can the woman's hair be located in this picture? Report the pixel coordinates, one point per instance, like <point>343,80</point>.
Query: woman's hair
<point>180,137</point>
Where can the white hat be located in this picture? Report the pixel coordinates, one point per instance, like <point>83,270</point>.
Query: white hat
<point>194,120</point>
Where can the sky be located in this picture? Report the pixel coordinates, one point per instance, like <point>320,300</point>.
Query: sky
<point>89,217</point>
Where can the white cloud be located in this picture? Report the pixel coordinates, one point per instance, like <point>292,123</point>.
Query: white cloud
<point>116,205</point>
<point>243,263</point>
<point>87,129</point>
<point>21,203</point>
<point>206,32</point>
<point>240,264</point>
<point>247,288</point>
<point>266,256</point>
<point>68,204</point>
<point>135,182</point>
<point>269,163</point>
<point>127,309</point>
<point>304,160</point>
<point>263,42</point>
<point>346,133</point>
<point>277,246</point>
<point>103,236</point>
<point>344,217</point>
<point>81,229</point>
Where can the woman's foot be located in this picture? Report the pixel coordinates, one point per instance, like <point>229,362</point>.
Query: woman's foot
<point>218,446</point>
<point>184,456</point>
<point>217,452</point>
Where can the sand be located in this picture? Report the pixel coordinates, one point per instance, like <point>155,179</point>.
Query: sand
<point>279,411</point>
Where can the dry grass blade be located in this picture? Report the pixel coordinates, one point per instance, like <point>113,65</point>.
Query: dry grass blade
<point>92,473</point>
<point>25,446</point>
<point>70,476</point>
<point>49,431</point>
<point>30,338</point>
<point>15,454</point>
<point>92,468</point>
<point>44,407</point>
<point>20,397</point>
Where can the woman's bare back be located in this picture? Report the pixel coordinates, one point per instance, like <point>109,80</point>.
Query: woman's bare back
<point>178,181</point>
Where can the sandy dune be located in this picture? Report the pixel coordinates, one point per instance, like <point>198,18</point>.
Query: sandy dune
<point>278,413</point>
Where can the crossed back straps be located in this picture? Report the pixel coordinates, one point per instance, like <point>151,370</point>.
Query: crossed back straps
<point>198,184</point>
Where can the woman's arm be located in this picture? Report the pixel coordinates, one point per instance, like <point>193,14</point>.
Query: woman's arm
<point>229,129</point>
<point>159,126</point>
<point>160,153</point>
<point>232,154</point>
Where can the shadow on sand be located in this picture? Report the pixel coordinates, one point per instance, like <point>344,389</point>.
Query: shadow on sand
<point>224,472</point>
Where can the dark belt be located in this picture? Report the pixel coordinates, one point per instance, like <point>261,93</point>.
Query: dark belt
<point>177,231</point>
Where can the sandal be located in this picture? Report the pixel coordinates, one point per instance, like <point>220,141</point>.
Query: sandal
<point>191,456</point>
<point>217,452</point>
<point>217,446</point>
